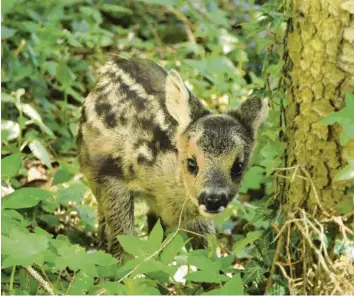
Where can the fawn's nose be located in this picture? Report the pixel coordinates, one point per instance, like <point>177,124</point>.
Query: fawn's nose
<point>214,202</point>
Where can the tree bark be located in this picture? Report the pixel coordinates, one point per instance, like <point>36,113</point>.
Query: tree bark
<point>319,71</point>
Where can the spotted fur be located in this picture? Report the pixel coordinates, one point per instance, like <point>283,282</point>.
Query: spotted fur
<point>140,129</point>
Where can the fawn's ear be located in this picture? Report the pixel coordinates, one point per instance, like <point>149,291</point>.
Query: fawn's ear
<point>177,99</point>
<point>252,113</point>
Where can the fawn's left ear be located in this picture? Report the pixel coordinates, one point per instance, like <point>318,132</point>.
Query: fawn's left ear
<point>177,99</point>
<point>252,113</point>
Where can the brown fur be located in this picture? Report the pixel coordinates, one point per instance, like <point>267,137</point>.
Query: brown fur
<point>139,127</point>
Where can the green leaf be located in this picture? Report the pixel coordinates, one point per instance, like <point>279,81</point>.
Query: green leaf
<point>74,193</point>
<point>10,165</point>
<point>7,32</point>
<point>25,198</point>
<point>81,284</point>
<point>234,286</point>
<point>276,289</point>
<point>64,75</point>
<point>149,266</point>
<point>156,237</point>
<point>11,219</point>
<point>345,117</point>
<point>40,152</point>
<point>61,176</point>
<point>347,173</point>
<point>251,237</point>
<point>37,119</point>
<point>346,205</point>
<point>113,288</point>
<point>204,263</point>
<point>115,8</point>
<point>133,245</point>
<point>88,215</point>
<point>253,179</point>
<point>161,2</point>
<point>204,276</point>
<point>226,262</point>
<point>253,271</point>
<point>75,257</point>
<point>23,249</point>
<point>173,248</point>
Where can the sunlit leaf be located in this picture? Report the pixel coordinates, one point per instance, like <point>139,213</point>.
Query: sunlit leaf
<point>40,152</point>
<point>345,117</point>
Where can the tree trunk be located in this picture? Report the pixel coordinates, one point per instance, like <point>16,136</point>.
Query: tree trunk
<point>319,70</point>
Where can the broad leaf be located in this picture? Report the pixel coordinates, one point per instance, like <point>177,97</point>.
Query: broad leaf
<point>10,165</point>
<point>173,248</point>
<point>203,276</point>
<point>156,236</point>
<point>81,284</point>
<point>61,176</point>
<point>25,198</point>
<point>134,245</point>
<point>23,249</point>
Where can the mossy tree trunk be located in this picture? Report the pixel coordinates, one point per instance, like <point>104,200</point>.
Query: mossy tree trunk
<point>319,71</point>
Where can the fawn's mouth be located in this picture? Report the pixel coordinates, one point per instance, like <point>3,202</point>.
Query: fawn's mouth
<point>208,213</point>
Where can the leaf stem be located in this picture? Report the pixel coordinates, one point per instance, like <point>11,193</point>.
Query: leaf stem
<point>12,279</point>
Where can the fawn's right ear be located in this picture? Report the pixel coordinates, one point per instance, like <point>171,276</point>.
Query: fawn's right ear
<point>177,100</point>
<point>252,113</point>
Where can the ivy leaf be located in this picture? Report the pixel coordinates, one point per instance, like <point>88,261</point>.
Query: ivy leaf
<point>348,172</point>
<point>345,117</point>
<point>40,152</point>
<point>25,198</point>
<point>253,271</point>
<point>23,249</point>
<point>10,165</point>
<point>253,179</point>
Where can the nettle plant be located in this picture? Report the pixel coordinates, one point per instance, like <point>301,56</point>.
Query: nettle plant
<point>51,51</point>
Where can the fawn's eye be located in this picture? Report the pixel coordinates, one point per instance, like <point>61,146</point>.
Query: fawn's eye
<point>192,166</point>
<point>236,169</point>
